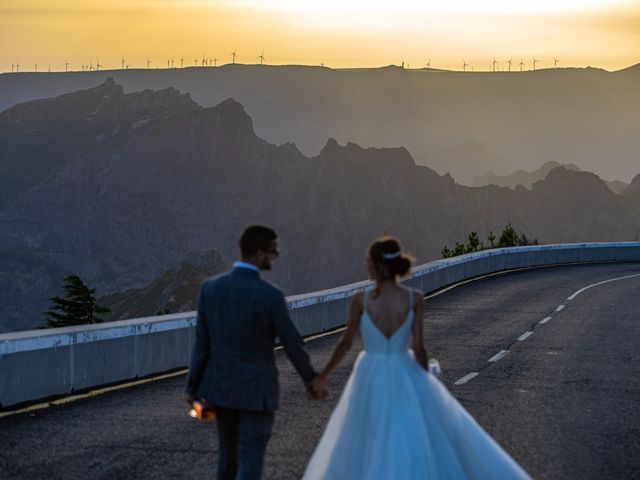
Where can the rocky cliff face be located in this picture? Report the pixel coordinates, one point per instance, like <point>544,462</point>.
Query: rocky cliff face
<point>118,188</point>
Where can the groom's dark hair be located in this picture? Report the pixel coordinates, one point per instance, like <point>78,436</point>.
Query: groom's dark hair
<point>254,238</point>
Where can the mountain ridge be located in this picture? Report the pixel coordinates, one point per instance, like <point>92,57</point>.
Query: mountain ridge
<point>516,120</point>
<point>121,212</point>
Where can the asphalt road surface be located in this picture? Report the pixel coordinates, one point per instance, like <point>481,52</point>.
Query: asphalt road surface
<point>563,400</point>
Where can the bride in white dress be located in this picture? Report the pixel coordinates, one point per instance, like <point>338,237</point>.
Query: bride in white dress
<point>395,420</point>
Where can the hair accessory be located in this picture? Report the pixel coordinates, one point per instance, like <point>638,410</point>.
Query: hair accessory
<point>391,256</point>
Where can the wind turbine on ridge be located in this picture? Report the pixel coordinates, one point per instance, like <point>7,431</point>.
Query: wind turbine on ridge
<point>261,57</point>
<point>98,66</point>
<point>535,60</point>
<point>555,62</point>
<point>521,64</point>
<point>428,65</point>
<point>509,62</point>
<point>233,55</point>
<point>464,65</point>
<point>494,64</point>
<point>181,62</point>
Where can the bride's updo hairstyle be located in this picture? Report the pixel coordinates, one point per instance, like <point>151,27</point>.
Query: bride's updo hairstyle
<point>388,259</point>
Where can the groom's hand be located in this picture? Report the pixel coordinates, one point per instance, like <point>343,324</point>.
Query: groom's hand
<point>318,389</point>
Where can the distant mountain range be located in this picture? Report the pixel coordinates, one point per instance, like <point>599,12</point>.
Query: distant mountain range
<point>120,188</point>
<point>176,290</point>
<point>464,123</point>
<point>527,179</point>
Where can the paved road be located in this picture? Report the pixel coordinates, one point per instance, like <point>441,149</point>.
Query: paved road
<point>563,400</point>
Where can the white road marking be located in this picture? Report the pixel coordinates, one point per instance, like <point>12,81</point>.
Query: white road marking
<point>544,320</point>
<point>466,378</point>
<point>498,356</point>
<point>524,336</point>
<point>575,294</point>
<point>559,308</point>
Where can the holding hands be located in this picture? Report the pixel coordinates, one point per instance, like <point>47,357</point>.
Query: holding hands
<point>317,389</point>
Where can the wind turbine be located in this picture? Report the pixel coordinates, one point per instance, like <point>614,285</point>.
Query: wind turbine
<point>181,62</point>
<point>167,63</point>
<point>172,62</point>
<point>66,66</point>
<point>204,60</point>
<point>98,64</point>
<point>521,64</point>
<point>49,69</point>
<point>195,62</point>
<point>17,67</point>
<point>233,55</point>
<point>509,62</point>
<point>494,64</point>
<point>535,60</point>
<point>215,62</point>
<point>12,67</point>
<point>428,65</point>
<point>148,63</point>
<point>464,65</point>
<point>555,62</point>
<point>122,63</point>
<point>261,57</point>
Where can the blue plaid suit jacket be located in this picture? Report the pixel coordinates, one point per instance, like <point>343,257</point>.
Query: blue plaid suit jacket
<point>233,363</point>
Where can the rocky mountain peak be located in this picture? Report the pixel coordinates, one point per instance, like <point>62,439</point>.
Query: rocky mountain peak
<point>633,190</point>
<point>563,179</point>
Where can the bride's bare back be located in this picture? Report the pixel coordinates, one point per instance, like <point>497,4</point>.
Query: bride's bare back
<point>388,307</point>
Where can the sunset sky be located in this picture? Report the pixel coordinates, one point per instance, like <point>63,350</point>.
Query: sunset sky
<point>336,33</point>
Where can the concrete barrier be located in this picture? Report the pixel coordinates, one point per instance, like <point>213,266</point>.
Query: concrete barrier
<point>44,363</point>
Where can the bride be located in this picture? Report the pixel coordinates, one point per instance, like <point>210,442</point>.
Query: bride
<point>395,420</point>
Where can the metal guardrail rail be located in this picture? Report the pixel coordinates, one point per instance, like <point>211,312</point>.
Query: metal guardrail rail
<point>37,364</point>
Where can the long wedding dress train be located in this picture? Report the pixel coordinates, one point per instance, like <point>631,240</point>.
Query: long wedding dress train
<point>396,421</point>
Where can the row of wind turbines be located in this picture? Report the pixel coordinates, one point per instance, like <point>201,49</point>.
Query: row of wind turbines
<point>495,63</point>
<point>213,62</point>
<point>171,63</point>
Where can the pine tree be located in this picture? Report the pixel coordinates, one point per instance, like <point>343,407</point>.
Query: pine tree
<point>509,237</point>
<point>473,242</point>
<point>78,307</point>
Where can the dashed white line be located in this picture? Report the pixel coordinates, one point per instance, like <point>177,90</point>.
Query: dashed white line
<point>524,336</point>
<point>498,356</point>
<point>466,378</point>
<point>544,320</point>
<point>559,308</point>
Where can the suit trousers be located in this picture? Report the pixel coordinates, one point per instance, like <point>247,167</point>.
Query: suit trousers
<point>243,436</point>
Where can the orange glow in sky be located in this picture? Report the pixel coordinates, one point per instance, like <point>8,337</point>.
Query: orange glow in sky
<point>336,33</point>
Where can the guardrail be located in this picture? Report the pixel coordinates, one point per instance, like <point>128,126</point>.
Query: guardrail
<point>43,363</point>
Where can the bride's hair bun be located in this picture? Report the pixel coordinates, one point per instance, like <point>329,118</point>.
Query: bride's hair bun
<point>387,252</point>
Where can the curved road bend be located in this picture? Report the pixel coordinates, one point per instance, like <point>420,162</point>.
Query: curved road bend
<point>563,400</point>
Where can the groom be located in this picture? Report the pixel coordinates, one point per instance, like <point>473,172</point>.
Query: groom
<point>233,365</point>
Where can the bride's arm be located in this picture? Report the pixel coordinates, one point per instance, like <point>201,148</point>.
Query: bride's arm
<point>346,341</point>
<point>417,343</point>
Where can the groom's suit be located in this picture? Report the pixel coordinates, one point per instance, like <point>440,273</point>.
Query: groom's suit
<point>233,363</point>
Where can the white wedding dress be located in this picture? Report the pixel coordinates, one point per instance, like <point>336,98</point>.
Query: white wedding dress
<point>396,421</point>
